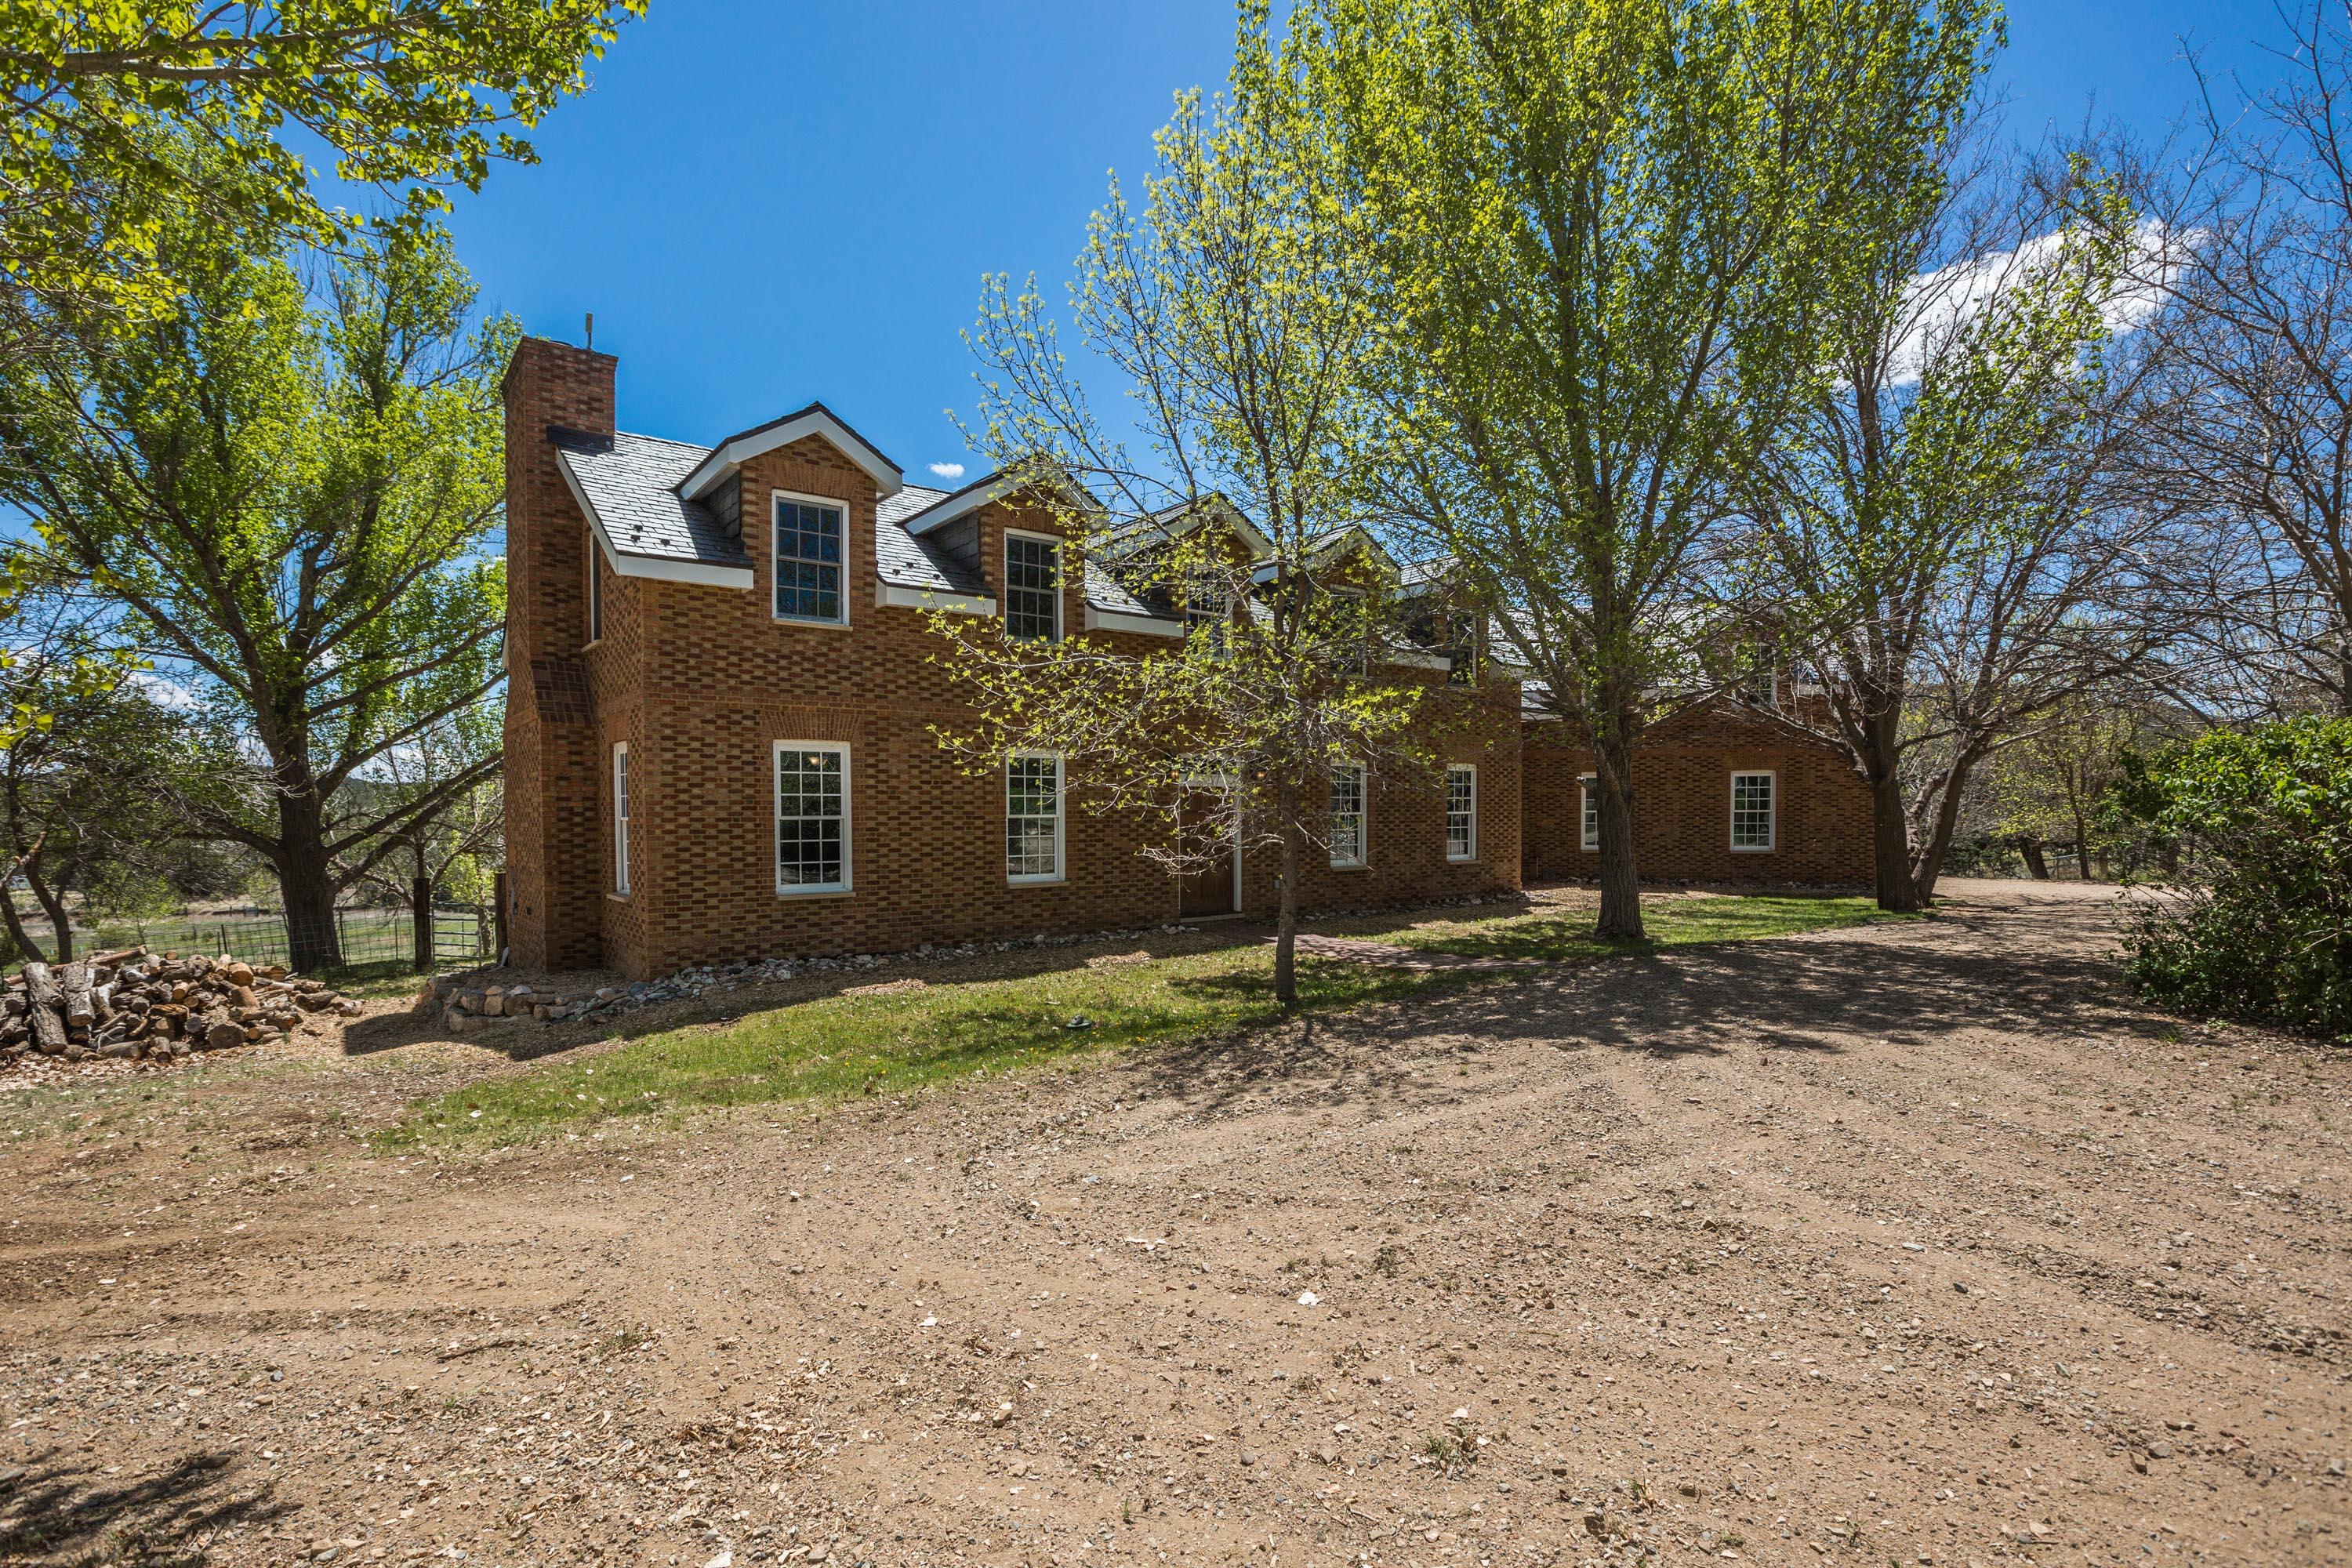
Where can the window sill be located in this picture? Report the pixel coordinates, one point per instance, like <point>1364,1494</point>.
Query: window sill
<point>808,620</point>
<point>617,898</point>
<point>827,893</point>
<point>597,643</point>
<point>1755,849</point>
<point>1470,859</point>
<point>1055,881</point>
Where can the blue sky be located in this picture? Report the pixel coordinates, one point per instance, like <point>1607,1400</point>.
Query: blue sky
<point>767,201</point>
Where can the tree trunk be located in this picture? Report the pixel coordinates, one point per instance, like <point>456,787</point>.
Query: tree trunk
<point>1620,874</point>
<point>420,910</point>
<point>2082,846</point>
<point>53,906</point>
<point>15,917</point>
<point>1890,847</point>
<point>305,882</point>
<point>2036,866</point>
<point>1927,867</point>
<point>1286,925</point>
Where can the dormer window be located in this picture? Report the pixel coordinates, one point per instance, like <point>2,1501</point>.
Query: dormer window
<point>1033,588</point>
<point>809,538</point>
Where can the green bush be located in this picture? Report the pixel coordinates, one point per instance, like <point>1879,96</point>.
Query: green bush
<point>2261,924</point>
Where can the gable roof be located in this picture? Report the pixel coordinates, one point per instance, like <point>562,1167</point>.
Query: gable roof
<point>950,505</point>
<point>816,419</point>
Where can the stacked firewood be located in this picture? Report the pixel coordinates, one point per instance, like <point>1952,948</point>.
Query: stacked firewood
<point>138,1003</point>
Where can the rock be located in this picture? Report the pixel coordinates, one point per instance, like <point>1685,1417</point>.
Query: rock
<point>347,1009</point>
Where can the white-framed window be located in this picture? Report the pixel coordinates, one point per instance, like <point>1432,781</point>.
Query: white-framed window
<point>1462,811</point>
<point>1207,606</point>
<point>1033,817</point>
<point>595,593</point>
<point>1587,790</point>
<point>811,543</point>
<point>1033,587</point>
<point>1755,811</point>
<point>621,818</point>
<point>1347,840</point>
<point>812,817</point>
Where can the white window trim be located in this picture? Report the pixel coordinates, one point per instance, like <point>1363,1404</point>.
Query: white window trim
<point>1061,872</point>
<point>1451,769</point>
<point>776,820</point>
<point>1364,832</point>
<point>622,788</point>
<point>1587,801</point>
<point>1061,573</point>
<point>837,504</point>
<point>1772,818</point>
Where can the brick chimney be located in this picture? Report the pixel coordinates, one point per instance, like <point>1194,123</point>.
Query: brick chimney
<point>553,814</point>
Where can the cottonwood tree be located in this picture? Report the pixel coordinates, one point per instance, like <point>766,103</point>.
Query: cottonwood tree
<point>2255,431</point>
<point>409,96</point>
<point>291,490</point>
<point>1942,545</point>
<point>1223,305</point>
<point>1603,244</point>
<point>439,850</point>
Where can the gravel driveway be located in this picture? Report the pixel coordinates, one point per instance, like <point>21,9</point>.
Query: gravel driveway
<point>1915,1242</point>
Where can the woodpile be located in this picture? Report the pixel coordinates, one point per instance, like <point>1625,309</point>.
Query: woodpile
<point>135,1003</point>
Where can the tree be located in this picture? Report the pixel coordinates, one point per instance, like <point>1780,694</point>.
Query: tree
<point>81,824</point>
<point>1224,306</point>
<point>291,492</point>
<point>440,848</point>
<point>1940,548</point>
<point>2255,432</point>
<point>410,95</point>
<point>1605,240</point>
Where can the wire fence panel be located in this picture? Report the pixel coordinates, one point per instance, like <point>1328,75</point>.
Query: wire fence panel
<point>361,937</point>
<point>463,933</point>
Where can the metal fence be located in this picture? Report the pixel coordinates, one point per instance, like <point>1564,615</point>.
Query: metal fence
<point>462,935</point>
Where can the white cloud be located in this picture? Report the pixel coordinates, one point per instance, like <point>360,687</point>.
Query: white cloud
<point>1955,295</point>
<point>161,690</point>
<point>948,470</point>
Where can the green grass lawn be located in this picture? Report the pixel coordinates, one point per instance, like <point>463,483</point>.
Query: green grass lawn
<point>838,1046</point>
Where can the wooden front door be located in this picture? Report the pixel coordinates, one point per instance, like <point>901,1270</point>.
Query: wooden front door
<point>1205,826</point>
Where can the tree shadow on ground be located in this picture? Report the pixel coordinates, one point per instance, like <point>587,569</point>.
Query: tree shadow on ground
<point>1810,994</point>
<point>56,1512</point>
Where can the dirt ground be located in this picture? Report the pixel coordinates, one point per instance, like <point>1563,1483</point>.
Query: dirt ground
<point>1917,1241</point>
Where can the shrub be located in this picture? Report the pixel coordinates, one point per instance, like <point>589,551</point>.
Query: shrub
<point>2260,926</point>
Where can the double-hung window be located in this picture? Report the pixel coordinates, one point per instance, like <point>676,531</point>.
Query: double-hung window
<point>1754,807</point>
<point>1033,588</point>
<point>809,553</point>
<point>1347,813</point>
<point>1206,606</point>
<point>621,818</point>
<point>1033,817</point>
<point>1462,811</point>
<point>1589,788</point>
<point>811,817</point>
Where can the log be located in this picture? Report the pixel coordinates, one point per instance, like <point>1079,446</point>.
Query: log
<point>74,981</point>
<point>102,1001</point>
<point>48,1029</point>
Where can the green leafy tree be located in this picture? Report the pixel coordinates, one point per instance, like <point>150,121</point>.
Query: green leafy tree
<point>292,492</point>
<point>1941,550</point>
<point>1224,306</point>
<point>1606,242</point>
<point>409,96</point>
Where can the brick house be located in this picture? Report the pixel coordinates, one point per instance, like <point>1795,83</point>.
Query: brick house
<point>719,734</point>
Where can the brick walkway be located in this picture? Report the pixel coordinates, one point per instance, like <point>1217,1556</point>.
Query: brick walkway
<point>1388,955</point>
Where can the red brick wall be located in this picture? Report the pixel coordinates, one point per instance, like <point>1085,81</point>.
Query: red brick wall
<point>1682,806</point>
<point>551,785</point>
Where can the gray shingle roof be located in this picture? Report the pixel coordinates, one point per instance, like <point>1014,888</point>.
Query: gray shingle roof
<point>907,561</point>
<point>632,485</point>
<point>633,488</point>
